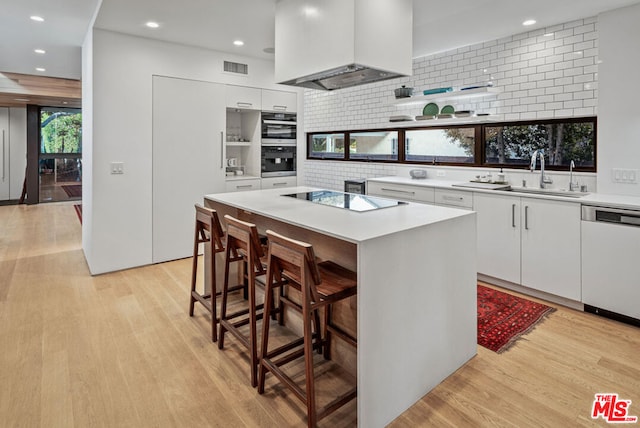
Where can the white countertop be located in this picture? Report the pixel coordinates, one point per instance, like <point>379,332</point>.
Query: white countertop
<point>599,199</point>
<point>337,222</point>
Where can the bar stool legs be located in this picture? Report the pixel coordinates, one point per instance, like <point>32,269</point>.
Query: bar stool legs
<point>320,286</point>
<point>208,231</point>
<point>243,245</point>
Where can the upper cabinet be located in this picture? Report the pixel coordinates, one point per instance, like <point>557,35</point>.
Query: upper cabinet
<point>280,101</point>
<point>243,97</point>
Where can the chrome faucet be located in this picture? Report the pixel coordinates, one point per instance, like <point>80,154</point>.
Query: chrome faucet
<point>543,180</point>
<point>572,186</point>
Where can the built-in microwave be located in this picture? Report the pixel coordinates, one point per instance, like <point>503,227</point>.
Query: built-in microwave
<point>278,128</point>
<point>278,161</point>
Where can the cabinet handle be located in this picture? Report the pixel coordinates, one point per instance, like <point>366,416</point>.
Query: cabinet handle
<point>221,149</point>
<point>3,160</point>
<point>280,184</point>
<point>242,104</point>
<point>281,108</point>
<point>513,215</point>
<point>526,217</point>
<point>398,191</point>
<point>246,186</point>
<point>452,198</point>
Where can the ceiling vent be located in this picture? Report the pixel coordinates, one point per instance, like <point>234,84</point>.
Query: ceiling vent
<point>236,67</point>
<point>334,44</point>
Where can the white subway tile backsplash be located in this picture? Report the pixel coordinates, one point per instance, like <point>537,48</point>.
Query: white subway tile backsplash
<point>538,76</point>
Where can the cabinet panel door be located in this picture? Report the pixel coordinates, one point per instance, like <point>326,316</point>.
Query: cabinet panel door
<point>4,154</point>
<point>279,182</point>
<point>244,97</point>
<point>188,124</point>
<point>498,221</point>
<point>551,247</point>
<point>279,101</point>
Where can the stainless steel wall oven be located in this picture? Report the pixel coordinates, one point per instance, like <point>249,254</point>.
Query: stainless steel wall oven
<point>278,128</point>
<point>278,161</point>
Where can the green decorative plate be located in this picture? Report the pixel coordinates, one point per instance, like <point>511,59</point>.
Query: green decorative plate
<point>447,110</point>
<point>430,109</point>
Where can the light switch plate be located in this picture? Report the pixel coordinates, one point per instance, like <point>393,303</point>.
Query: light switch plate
<point>117,167</point>
<point>622,175</point>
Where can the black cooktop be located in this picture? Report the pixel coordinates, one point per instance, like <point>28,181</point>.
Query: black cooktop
<point>349,201</point>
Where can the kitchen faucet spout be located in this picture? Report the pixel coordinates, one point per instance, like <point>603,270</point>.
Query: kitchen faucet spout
<point>543,180</point>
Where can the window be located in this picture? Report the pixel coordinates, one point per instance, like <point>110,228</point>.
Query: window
<point>326,146</point>
<point>561,142</point>
<point>488,144</point>
<point>60,157</point>
<point>379,145</point>
<point>450,145</point>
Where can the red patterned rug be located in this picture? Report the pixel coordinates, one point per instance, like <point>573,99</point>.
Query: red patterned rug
<point>503,318</point>
<point>73,190</point>
<point>79,212</point>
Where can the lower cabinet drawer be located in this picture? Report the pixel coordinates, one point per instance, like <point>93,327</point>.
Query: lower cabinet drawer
<point>454,198</point>
<point>402,192</point>
<point>243,185</point>
<point>278,182</point>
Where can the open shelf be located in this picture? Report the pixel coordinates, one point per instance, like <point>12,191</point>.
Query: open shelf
<point>453,95</point>
<point>239,143</point>
<point>440,122</point>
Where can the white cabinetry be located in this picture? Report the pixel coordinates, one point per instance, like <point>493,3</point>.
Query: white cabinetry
<point>532,242</point>
<point>401,191</point>
<point>278,182</point>
<point>551,247</point>
<point>498,222</point>
<point>188,159</point>
<point>244,97</point>
<point>4,154</point>
<point>281,101</point>
<point>243,185</point>
<point>243,141</point>
<point>454,198</point>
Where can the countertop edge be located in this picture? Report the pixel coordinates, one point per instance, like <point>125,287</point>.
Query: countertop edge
<point>598,199</point>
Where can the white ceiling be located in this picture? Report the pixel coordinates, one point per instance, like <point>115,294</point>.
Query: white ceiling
<point>214,24</point>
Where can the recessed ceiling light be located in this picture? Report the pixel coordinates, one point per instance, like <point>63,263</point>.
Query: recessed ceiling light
<point>238,42</point>
<point>529,22</point>
<point>37,18</point>
<point>41,69</point>
<point>21,99</point>
<point>64,102</point>
<point>152,24</point>
<point>40,51</point>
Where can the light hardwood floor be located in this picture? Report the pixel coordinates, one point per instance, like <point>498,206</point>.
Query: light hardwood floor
<point>120,350</point>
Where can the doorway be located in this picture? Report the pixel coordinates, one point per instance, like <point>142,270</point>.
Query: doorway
<point>60,154</point>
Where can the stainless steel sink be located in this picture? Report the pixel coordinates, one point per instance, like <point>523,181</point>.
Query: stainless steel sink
<point>549,192</point>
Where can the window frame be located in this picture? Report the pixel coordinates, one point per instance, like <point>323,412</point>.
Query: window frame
<point>480,144</point>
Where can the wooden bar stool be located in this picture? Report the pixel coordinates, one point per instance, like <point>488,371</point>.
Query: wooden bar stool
<point>320,285</point>
<point>208,231</point>
<point>243,245</point>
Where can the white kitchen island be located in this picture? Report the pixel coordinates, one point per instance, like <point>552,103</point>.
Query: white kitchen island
<point>416,302</point>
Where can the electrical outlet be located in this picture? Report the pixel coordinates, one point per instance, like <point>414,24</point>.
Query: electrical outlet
<point>620,175</point>
<point>441,173</point>
<point>117,167</point>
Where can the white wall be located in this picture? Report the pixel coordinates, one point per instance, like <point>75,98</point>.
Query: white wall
<point>118,230</point>
<point>540,76</point>
<point>618,126</point>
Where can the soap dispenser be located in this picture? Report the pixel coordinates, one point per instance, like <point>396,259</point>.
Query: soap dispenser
<point>501,177</point>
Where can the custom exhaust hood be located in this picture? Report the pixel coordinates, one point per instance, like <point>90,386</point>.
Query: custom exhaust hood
<point>335,44</point>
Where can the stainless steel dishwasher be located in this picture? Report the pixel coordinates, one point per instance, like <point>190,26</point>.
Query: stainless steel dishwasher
<point>610,262</point>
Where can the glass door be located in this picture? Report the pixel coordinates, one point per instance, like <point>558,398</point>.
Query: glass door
<point>60,159</point>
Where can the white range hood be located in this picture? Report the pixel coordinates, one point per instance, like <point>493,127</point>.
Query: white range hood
<point>334,44</point>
